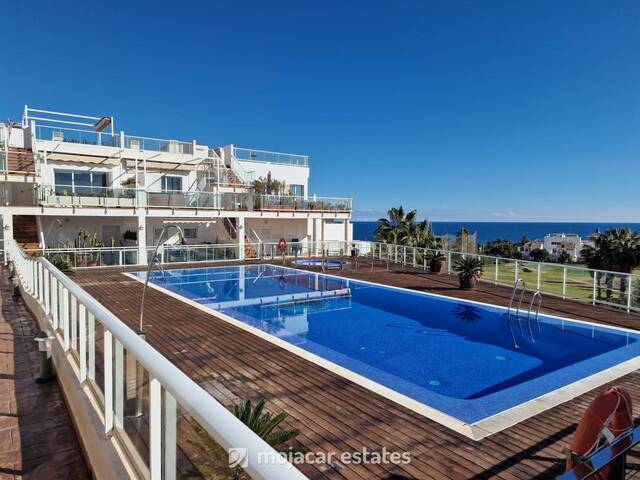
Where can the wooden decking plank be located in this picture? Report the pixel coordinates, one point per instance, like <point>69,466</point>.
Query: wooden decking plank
<point>333,410</point>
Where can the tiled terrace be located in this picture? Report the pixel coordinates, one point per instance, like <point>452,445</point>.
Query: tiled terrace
<point>337,415</point>
<point>37,438</point>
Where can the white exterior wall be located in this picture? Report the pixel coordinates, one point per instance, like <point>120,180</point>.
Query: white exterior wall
<point>214,233</point>
<point>291,174</point>
<point>556,243</point>
<point>272,230</point>
<point>338,231</point>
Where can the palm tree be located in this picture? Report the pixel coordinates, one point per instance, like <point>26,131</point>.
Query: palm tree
<point>263,424</point>
<point>422,235</point>
<point>398,228</point>
<point>617,250</point>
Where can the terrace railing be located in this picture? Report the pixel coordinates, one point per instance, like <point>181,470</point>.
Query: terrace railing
<point>288,202</point>
<point>78,136</point>
<point>127,256</point>
<point>107,139</point>
<point>583,284</point>
<point>90,196</point>
<point>251,155</point>
<point>157,145</point>
<point>597,287</point>
<point>104,351</point>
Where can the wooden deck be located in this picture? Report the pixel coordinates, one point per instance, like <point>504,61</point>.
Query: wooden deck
<point>337,415</point>
<point>37,438</point>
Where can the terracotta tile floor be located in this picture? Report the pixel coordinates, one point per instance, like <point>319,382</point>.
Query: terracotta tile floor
<point>37,438</point>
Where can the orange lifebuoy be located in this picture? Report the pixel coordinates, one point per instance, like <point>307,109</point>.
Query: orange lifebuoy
<point>282,245</point>
<point>611,410</point>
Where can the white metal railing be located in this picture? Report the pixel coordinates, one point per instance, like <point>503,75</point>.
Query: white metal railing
<point>76,135</point>
<point>125,256</point>
<point>566,281</point>
<point>107,139</point>
<point>291,202</point>
<point>107,356</point>
<point>252,155</point>
<point>89,196</point>
<point>245,175</point>
<point>598,287</point>
<point>157,145</point>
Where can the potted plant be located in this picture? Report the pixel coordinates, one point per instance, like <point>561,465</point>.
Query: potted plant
<point>436,259</point>
<point>469,271</point>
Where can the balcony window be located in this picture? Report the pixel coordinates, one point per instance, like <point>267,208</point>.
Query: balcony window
<point>80,182</point>
<point>296,190</point>
<point>171,183</point>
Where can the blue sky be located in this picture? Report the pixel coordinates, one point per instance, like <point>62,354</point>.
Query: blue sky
<point>492,110</point>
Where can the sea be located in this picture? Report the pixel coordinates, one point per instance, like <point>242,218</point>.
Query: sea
<point>514,231</point>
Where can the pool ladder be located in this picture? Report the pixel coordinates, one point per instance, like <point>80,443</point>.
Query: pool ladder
<point>520,286</point>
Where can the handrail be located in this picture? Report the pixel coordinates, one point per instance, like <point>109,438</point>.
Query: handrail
<point>36,274</point>
<point>513,295</point>
<point>537,295</point>
<point>603,457</point>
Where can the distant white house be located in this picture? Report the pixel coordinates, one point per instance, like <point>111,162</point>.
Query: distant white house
<point>529,247</point>
<point>556,243</point>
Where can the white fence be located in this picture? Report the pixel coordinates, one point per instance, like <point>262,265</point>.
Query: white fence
<point>124,256</point>
<point>109,358</point>
<point>567,281</point>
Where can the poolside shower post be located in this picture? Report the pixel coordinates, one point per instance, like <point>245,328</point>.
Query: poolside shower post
<point>154,258</point>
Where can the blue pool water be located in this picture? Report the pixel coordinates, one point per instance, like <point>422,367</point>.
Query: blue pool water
<point>454,356</point>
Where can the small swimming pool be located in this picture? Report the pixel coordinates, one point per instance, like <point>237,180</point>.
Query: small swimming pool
<point>451,360</point>
<point>332,264</point>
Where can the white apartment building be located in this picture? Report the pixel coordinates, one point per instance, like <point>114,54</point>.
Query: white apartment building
<point>556,243</point>
<point>64,174</point>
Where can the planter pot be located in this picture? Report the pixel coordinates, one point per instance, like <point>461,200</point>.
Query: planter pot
<point>435,267</point>
<point>468,283</point>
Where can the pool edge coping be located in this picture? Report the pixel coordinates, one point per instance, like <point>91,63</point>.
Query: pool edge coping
<point>475,431</point>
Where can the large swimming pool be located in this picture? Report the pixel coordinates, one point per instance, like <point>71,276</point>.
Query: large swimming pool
<point>456,357</point>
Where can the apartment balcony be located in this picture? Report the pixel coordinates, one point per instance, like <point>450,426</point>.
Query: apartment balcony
<point>252,155</point>
<point>72,140</point>
<point>295,203</point>
<point>89,196</point>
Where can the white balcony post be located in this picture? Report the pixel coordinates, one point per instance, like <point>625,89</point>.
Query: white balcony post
<point>74,323</point>
<point>449,263</point>
<point>91,339</point>
<point>170,436</point>
<point>538,284</point>
<point>65,318</point>
<point>54,302</point>
<point>241,230</point>
<point>40,284</point>
<point>155,429</point>
<point>142,241</point>
<point>629,288</point>
<point>118,375</point>
<point>82,320</point>
<point>595,288</point>
<point>516,269</point>
<point>47,292</point>
<point>108,382</point>
<point>564,282</point>
<point>496,274</point>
